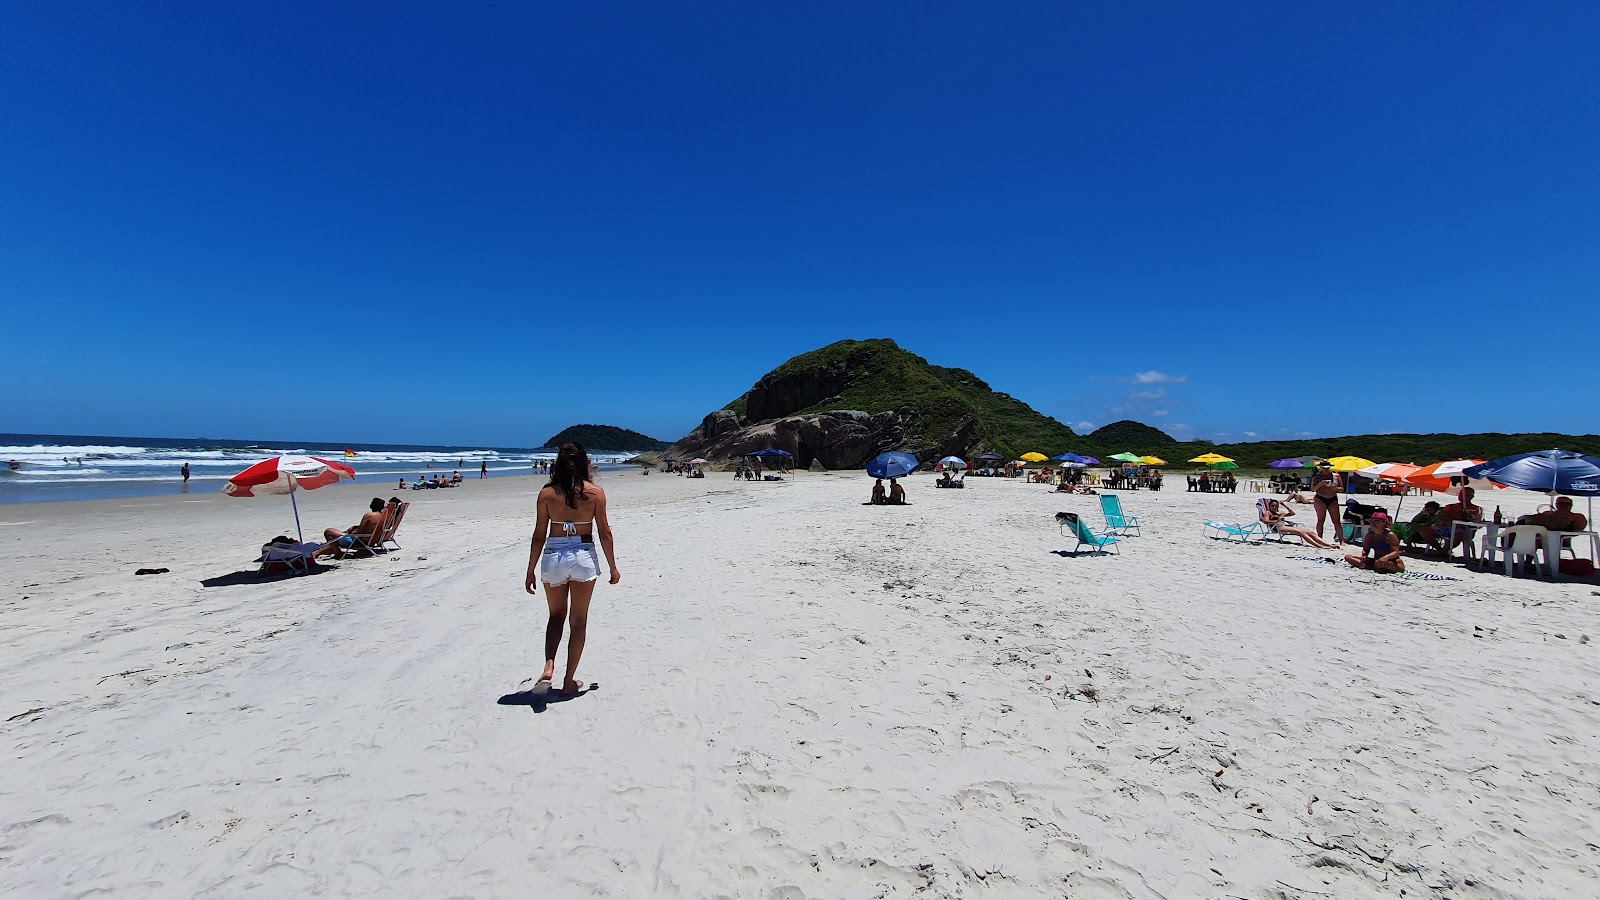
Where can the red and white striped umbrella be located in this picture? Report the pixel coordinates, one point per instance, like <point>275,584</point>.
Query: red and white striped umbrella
<point>285,475</point>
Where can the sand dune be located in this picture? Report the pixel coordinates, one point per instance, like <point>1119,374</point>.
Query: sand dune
<point>794,696</point>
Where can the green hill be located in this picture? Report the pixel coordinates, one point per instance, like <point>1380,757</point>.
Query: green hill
<point>877,375</point>
<point>606,439</point>
<point>1128,433</point>
<point>947,410</point>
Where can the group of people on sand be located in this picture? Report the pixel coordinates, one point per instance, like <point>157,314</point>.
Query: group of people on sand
<point>894,496</point>
<point>1433,528</point>
<point>424,483</point>
<point>1380,549</point>
<point>754,472</point>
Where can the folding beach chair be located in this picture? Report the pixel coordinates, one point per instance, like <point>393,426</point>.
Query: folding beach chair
<point>373,544</point>
<point>1234,531</point>
<point>394,526</point>
<point>1074,526</point>
<point>1116,522</point>
<point>295,558</point>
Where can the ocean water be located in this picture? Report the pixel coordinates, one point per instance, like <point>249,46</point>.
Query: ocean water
<point>83,467</point>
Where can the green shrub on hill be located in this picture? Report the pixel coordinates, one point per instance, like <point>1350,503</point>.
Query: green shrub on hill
<point>879,376</point>
<point>606,439</point>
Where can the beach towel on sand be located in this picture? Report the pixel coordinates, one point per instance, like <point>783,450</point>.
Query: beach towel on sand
<point>1408,576</point>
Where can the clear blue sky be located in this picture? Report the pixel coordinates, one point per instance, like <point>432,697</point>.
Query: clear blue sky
<point>479,224</point>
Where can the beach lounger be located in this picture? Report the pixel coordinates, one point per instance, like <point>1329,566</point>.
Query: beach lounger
<point>296,559</point>
<point>1073,526</point>
<point>1234,531</point>
<point>1116,522</point>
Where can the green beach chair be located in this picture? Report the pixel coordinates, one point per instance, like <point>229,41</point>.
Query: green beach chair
<point>1234,531</point>
<point>1116,522</point>
<point>1072,525</point>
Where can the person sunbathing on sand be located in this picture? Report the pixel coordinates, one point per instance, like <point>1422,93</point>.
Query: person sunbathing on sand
<point>366,528</point>
<point>571,514</point>
<point>879,496</point>
<point>1382,544</point>
<point>897,494</point>
<point>1276,517</point>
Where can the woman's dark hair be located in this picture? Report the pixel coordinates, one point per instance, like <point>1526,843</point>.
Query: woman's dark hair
<point>570,472</point>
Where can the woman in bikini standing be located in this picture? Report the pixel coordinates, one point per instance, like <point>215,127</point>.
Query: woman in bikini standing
<point>571,514</point>
<point>1325,497</point>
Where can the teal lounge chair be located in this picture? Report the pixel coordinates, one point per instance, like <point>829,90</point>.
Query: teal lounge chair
<point>1072,525</point>
<point>1116,522</point>
<point>1234,531</point>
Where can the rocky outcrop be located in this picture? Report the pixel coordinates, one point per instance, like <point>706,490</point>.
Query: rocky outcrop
<point>719,423</point>
<point>837,439</point>
<point>776,396</point>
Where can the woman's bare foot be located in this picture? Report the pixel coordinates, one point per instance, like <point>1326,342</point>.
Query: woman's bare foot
<point>549,670</point>
<point>571,688</point>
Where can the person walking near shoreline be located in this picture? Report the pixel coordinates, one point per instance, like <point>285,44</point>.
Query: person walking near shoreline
<point>571,513</point>
<point>185,473</point>
<point>483,469</point>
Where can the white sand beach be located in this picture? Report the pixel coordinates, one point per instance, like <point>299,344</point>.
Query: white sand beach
<point>794,696</point>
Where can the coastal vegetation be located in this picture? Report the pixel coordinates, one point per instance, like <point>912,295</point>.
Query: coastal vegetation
<point>606,439</point>
<point>876,376</point>
<point>934,403</point>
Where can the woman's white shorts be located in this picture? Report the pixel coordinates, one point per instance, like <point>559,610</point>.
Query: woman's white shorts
<point>568,559</point>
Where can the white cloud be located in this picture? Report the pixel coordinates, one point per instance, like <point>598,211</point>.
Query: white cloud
<point>1305,434</point>
<point>1251,434</point>
<point>1160,412</point>
<point>1179,426</point>
<point>1154,377</point>
<point>1082,426</point>
<point>1146,395</point>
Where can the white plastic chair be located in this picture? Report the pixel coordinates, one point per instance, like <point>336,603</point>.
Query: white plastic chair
<point>1521,543</point>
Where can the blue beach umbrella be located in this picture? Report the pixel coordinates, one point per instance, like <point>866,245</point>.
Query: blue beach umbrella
<point>1088,460</point>
<point>1546,471</point>
<point>893,464</point>
<point>1286,464</point>
<point>770,451</point>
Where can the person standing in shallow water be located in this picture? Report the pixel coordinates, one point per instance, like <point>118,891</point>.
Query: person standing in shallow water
<point>185,473</point>
<point>571,515</point>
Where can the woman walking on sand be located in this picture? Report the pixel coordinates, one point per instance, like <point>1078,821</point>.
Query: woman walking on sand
<point>571,514</point>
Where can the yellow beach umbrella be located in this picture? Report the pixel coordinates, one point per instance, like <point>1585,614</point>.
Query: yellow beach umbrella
<point>1153,460</point>
<point>1209,458</point>
<point>1034,457</point>
<point>1350,463</point>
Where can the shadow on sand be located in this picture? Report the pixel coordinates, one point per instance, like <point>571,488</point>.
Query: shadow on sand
<point>541,700</point>
<point>251,576</point>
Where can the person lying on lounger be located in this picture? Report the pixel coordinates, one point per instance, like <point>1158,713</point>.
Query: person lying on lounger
<point>1380,549</point>
<point>1275,516</point>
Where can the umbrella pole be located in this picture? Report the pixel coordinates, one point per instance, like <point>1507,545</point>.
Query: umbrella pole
<point>296,506</point>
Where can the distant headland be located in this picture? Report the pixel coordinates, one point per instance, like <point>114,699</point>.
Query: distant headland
<point>607,439</point>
